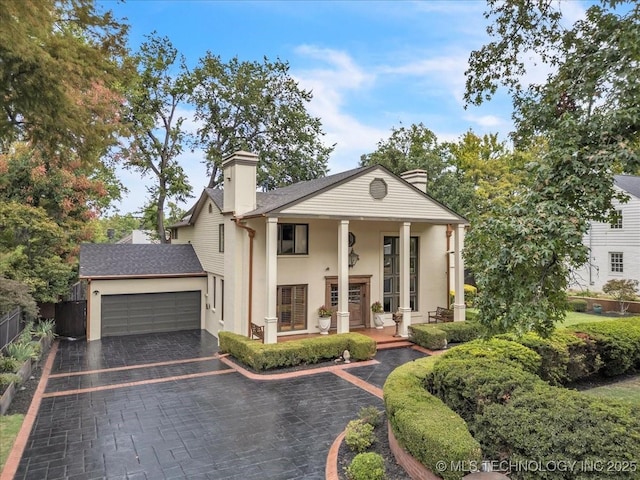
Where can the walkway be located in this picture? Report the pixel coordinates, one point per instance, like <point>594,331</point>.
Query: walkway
<point>169,406</point>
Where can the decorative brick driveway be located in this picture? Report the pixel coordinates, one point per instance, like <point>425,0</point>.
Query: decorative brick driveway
<point>166,406</point>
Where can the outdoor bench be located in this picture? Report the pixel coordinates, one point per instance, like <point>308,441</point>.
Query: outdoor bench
<point>441,314</point>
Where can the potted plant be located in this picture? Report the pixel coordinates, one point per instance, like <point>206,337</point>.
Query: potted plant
<point>378,312</point>
<point>324,319</point>
<point>597,308</point>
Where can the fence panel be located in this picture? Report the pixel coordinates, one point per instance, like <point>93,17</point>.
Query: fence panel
<point>11,325</point>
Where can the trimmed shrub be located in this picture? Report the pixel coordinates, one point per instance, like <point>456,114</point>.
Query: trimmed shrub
<point>617,342</point>
<point>423,425</point>
<point>259,356</point>
<point>470,316</point>
<point>497,349</point>
<point>470,293</point>
<point>578,305</point>
<point>468,386</point>
<point>460,332</point>
<point>366,466</point>
<point>359,435</point>
<point>549,424</point>
<point>565,357</point>
<point>370,415</point>
<point>428,336</point>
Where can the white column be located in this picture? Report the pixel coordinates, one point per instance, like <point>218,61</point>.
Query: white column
<point>459,313</point>
<point>271,320</point>
<point>405,308</point>
<point>342,315</point>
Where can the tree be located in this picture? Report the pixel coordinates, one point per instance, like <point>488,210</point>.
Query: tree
<point>15,294</point>
<point>115,227</point>
<point>258,107</point>
<point>32,247</point>
<point>59,71</point>
<point>623,290</point>
<point>588,113</point>
<point>161,87</point>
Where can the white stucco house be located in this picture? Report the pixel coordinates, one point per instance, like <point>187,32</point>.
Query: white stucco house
<point>614,247</point>
<point>272,258</point>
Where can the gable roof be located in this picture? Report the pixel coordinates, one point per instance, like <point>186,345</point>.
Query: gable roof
<point>131,260</point>
<point>628,183</point>
<point>280,198</point>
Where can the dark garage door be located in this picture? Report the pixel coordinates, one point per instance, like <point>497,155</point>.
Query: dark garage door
<point>150,312</point>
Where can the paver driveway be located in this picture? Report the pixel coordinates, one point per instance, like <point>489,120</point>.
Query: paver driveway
<point>166,406</point>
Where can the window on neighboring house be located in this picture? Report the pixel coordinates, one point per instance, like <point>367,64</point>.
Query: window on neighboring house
<point>391,298</point>
<point>174,233</point>
<point>617,221</point>
<point>215,280</point>
<point>616,262</point>
<point>292,307</point>
<point>222,299</point>
<point>221,238</point>
<point>293,239</point>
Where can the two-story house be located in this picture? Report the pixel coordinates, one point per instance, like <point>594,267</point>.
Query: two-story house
<point>614,247</point>
<point>272,258</point>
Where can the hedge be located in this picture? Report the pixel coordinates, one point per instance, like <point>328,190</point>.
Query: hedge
<point>428,336</point>
<point>549,425</point>
<point>578,305</point>
<point>261,356</point>
<point>565,356</point>
<point>423,425</point>
<point>467,387</point>
<point>616,341</point>
<point>438,336</point>
<point>497,349</point>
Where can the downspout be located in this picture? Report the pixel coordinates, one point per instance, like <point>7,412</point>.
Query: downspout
<point>590,255</point>
<point>252,234</point>
<point>449,232</point>
<point>87,317</point>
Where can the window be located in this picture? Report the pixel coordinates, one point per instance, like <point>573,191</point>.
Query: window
<point>222,299</point>
<point>617,220</point>
<point>210,208</point>
<point>174,233</point>
<point>391,298</point>
<point>221,238</point>
<point>293,239</point>
<point>215,280</point>
<point>292,308</point>
<point>616,262</point>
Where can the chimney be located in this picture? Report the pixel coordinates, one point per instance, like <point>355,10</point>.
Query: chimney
<point>239,172</point>
<point>417,178</point>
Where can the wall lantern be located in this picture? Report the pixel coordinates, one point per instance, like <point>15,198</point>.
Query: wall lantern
<point>353,258</point>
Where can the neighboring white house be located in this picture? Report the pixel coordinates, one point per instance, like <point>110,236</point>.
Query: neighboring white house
<point>272,258</point>
<point>139,237</point>
<point>614,247</point>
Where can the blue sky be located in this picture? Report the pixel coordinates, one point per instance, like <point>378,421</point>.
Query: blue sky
<point>372,65</point>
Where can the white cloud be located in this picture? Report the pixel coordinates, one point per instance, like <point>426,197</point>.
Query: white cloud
<point>486,121</point>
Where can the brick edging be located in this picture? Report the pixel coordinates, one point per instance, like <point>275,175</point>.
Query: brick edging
<point>414,468</point>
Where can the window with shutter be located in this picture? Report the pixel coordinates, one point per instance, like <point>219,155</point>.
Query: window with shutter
<point>292,307</point>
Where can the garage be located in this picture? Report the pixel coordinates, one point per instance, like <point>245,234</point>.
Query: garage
<point>150,312</point>
<point>138,289</point>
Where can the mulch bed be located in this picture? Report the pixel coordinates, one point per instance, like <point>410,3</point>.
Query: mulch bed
<point>381,446</point>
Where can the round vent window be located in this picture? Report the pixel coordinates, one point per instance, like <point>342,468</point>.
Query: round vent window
<point>378,188</point>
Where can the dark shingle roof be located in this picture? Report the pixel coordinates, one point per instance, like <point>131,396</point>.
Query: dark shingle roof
<point>629,183</point>
<point>103,259</point>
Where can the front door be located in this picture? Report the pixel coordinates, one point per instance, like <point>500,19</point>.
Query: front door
<point>358,300</point>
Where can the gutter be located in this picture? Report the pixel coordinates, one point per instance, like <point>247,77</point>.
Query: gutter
<point>252,234</point>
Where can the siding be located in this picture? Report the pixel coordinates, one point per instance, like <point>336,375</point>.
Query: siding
<point>204,237</point>
<point>603,239</point>
<point>352,199</point>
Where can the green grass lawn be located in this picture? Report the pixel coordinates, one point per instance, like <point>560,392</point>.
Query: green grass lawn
<point>9,428</point>
<point>574,318</point>
<point>628,390</point>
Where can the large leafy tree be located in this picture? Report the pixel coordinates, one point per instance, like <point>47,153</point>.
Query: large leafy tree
<point>162,86</point>
<point>258,107</point>
<point>59,75</point>
<point>588,114</point>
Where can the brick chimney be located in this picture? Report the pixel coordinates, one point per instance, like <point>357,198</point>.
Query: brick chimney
<point>239,171</point>
<point>417,178</point>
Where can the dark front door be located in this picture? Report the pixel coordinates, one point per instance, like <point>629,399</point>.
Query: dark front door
<point>358,300</point>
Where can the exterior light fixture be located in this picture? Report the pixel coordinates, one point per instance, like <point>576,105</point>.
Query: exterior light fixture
<point>353,258</point>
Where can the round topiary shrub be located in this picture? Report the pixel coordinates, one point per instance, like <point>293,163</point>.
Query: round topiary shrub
<point>359,435</point>
<point>366,466</point>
